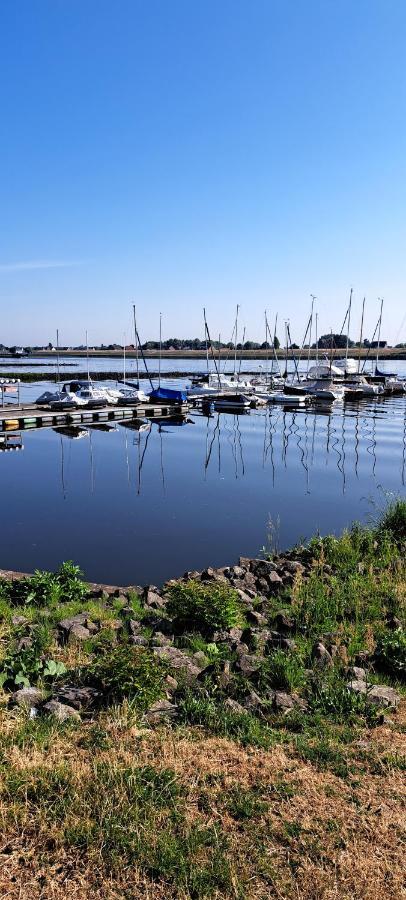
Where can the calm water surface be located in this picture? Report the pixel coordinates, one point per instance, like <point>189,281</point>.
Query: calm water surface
<point>134,507</point>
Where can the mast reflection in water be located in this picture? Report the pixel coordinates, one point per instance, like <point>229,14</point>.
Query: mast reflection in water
<point>139,503</point>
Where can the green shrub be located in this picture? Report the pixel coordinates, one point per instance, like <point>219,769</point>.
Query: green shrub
<point>25,666</point>
<point>47,588</point>
<point>127,672</point>
<point>390,653</point>
<point>393,521</point>
<point>204,607</point>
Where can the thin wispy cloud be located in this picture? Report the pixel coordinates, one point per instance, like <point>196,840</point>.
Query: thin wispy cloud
<point>32,264</point>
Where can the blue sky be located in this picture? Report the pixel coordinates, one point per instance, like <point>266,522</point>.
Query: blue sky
<point>177,154</point>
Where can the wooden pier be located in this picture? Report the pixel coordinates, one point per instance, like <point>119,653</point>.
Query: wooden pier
<point>30,416</point>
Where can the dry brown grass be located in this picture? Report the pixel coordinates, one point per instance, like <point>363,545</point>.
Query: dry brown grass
<point>323,838</point>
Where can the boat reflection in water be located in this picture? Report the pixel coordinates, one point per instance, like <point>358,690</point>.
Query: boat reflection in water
<point>142,501</point>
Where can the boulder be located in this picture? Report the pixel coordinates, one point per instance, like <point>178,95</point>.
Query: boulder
<point>17,621</point>
<point>254,701</point>
<point>320,656</point>
<point>77,634</point>
<point>138,640</point>
<point>257,618</point>
<point>377,694</point>
<point>275,581</point>
<point>247,663</point>
<point>160,711</point>
<point>284,622</point>
<point>78,697</point>
<point>152,599</point>
<point>65,625</point>
<point>225,676</point>
<point>262,567</point>
<point>294,566</point>
<point>357,673</point>
<point>234,706</point>
<point>61,711</point>
<point>27,697</point>
<point>383,695</point>
<point>179,661</point>
<point>161,640</point>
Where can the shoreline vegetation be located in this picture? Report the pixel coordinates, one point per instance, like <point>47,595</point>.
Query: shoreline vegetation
<point>224,353</point>
<point>236,733</point>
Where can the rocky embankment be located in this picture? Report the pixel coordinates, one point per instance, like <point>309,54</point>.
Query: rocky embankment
<point>235,656</point>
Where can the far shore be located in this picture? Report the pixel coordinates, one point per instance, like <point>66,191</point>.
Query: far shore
<point>385,353</point>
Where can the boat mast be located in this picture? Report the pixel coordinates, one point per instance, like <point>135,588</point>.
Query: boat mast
<point>274,348</point>
<point>136,347</point>
<point>160,349</point>
<point>58,375</point>
<point>266,348</point>
<point>87,357</point>
<point>211,346</point>
<point>360,336</point>
<point>124,372</point>
<point>310,333</point>
<point>379,335</point>
<point>317,345</point>
<point>207,352</point>
<point>348,330</point>
<point>235,341</point>
<point>239,366</point>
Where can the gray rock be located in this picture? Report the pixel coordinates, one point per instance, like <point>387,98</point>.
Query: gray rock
<point>161,640</point>
<point>138,640</point>
<point>234,706</point>
<point>294,566</point>
<point>225,676</point>
<point>383,695</point>
<point>78,697</point>
<point>160,711</point>
<point>248,663</point>
<point>178,660</point>
<point>154,600</point>
<point>134,626</point>
<point>78,633</point>
<point>66,624</point>
<point>254,701</point>
<point>171,684</point>
<point>320,656</point>
<point>27,697</point>
<point>357,673</point>
<point>25,643</point>
<point>16,621</point>
<point>236,572</point>
<point>377,694</point>
<point>275,581</point>
<point>357,686</point>
<point>256,617</point>
<point>61,711</point>
<point>284,621</point>
<point>262,567</point>
<point>246,597</point>
<point>282,702</point>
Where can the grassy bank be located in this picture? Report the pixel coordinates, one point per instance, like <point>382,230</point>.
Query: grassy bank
<point>240,733</point>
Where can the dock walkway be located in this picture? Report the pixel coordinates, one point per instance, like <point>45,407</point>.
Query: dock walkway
<point>16,418</point>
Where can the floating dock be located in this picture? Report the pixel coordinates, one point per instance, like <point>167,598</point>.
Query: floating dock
<point>30,416</point>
